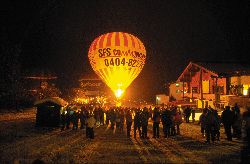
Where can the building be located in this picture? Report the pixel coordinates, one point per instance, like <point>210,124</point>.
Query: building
<point>208,83</point>
<point>176,90</point>
<point>91,90</point>
<point>240,85</point>
<point>49,111</point>
<point>92,86</point>
<point>33,83</point>
<point>162,99</point>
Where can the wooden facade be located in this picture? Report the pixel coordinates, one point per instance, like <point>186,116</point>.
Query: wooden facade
<point>202,84</point>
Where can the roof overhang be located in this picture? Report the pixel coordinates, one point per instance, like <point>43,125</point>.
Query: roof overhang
<point>190,70</point>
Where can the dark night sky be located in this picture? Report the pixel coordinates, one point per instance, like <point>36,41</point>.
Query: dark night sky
<point>55,35</point>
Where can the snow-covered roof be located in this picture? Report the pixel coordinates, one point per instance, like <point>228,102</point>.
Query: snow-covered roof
<point>56,100</point>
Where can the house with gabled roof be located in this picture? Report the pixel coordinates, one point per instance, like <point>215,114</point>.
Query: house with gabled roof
<point>208,83</point>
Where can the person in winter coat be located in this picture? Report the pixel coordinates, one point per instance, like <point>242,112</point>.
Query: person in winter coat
<point>156,121</point>
<point>193,114</point>
<point>187,113</point>
<point>227,120</point>
<point>128,122</point>
<point>236,108</point>
<point>122,118</point>
<point>82,117</point>
<point>245,157</point>
<point>144,122</point>
<point>112,115</point>
<point>97,116</point>
<point>118,120</point>
<point>166,122</point>
<point>137,122</point>
<point>75,120</point>
<point>68,117</point>
<point>173,111</point>
<point>209,126</point>
<point>107,117</point>
<point>63,120</point>
<point>91,121</point>
<point>237,122</point>
<point>177,121</point>
<point>202,121</point>
<point>246,119</point>
<point>101,116</point>
<point>216,126</point>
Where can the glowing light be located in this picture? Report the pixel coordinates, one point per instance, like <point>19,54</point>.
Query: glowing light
<point>81,100</point>
<point>118,93</point>
<point>245,92</point>
<point>118,104</point>
<point>117,58</point>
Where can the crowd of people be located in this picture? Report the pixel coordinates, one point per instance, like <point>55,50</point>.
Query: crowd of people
<point>120,118</point>
<point>210,122</point>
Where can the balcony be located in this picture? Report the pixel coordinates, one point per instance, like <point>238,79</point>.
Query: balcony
<point>207,96</point>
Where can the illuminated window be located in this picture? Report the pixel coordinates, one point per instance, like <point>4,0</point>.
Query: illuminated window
<point>245,90</point>
<point>205,86</point>
<point>177,84</point>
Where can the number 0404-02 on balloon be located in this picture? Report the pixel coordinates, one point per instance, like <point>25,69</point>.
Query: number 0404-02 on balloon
<point>117,58</point>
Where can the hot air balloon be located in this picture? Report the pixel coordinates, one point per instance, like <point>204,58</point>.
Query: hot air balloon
<point>117,58</point>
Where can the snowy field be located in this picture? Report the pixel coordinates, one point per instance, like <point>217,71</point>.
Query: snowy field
<point>21,142</point>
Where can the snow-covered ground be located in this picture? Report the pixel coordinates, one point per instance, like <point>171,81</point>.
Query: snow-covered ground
<point>21,142</point>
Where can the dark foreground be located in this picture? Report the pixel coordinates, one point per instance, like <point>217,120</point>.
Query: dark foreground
<point>21,142</point>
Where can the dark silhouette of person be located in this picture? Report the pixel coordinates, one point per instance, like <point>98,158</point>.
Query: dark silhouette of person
<point>129,122</point>
<point>245,153</point>
<point>166,122</point>
<point>137,123</point>
<point>144,122</point>
<point>83,118</point>
<point>63,120</point>
<point>68,117</point>
<point>227,120</point>
<point>210,125</point>
<point>237,122</point>
<point>156,122</point>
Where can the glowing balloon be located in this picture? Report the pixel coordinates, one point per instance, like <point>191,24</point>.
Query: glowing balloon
<point>117,58</point>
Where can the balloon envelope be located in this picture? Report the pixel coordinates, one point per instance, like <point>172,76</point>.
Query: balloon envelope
<point>117,58</point>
